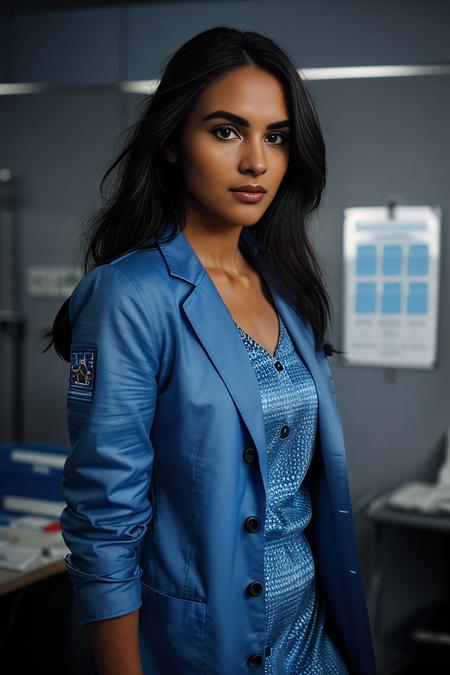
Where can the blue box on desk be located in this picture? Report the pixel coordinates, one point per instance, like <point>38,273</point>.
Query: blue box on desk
<point>30,478</point>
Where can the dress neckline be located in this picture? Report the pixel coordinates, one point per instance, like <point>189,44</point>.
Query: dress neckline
<point>259,345</point>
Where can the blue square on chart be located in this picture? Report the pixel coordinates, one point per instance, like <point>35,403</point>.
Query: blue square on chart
<point>392,259</point>
<point>391,298</point>
<point>366,260</point>
<point>365,297</point>
<point>418,263</point>
<point>417,298</point>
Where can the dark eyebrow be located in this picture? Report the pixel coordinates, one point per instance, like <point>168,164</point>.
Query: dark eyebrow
<point>240,120</point>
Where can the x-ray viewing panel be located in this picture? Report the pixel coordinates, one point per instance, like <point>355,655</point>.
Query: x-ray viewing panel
<point>391,286</point>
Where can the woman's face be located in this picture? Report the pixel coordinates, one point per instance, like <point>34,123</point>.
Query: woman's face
<point>219,152</point>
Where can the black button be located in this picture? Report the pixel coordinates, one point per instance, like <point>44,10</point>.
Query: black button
<point>284,431</point>
<point>267,651</point>
<point>278,365</point>
<point>252,524</point>
<point>254,660</point>
<point>250,454</point>
<point>255,588</point>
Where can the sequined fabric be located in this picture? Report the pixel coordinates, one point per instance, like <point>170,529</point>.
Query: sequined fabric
<point>294,620</point>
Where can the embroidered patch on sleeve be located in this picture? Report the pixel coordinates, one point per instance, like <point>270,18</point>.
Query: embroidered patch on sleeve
<point>82,375</point>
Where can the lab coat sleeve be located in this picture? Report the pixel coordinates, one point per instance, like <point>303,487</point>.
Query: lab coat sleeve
<point>108,470</point>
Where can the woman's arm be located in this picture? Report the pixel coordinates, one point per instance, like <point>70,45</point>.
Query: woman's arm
<point>116,645</point>
<point>108,471</point>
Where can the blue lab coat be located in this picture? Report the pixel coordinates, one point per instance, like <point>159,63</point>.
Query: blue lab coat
<point>168,462</point>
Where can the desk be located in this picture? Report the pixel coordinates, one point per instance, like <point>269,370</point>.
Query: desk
<point>42,605</point>
<point>41,568</point>
<point>380,512</point>
<point>51,561</point>
<point>382,515</point>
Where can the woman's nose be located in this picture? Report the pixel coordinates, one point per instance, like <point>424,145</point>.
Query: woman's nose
<point>253,157</point>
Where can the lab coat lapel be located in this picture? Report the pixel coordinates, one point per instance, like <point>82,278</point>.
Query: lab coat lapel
<point>217,332</point>
<point>304,343</point>
<point>332,444</point>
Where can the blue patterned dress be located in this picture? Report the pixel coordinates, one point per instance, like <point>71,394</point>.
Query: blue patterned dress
<point>294,620</point>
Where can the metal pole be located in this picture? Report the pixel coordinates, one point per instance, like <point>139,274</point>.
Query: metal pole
<point>12,324</point>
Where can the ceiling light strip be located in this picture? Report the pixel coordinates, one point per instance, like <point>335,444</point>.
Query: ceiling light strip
<point>364,72</point>
<point>148,86</point>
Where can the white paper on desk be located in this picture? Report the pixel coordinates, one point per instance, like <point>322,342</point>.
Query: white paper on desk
<point>426,497</point>
<point>31,505</point>
<point>16,558</point>
<point>414,496</point>
<point>47,459</point>
<point>31,539</point>
<point>31,523</point>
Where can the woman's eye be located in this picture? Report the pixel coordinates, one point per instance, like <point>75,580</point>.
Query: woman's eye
<point>283,138</point>
<point>225,130</point>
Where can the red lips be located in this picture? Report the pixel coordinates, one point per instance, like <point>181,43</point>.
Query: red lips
<point>249,188</point>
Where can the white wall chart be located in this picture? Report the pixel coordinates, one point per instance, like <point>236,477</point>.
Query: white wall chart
<point>391,285</point>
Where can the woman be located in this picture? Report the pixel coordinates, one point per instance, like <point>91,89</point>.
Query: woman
<point>208,512</point>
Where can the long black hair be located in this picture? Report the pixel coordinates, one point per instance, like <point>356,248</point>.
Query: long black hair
<point>147,193</point>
